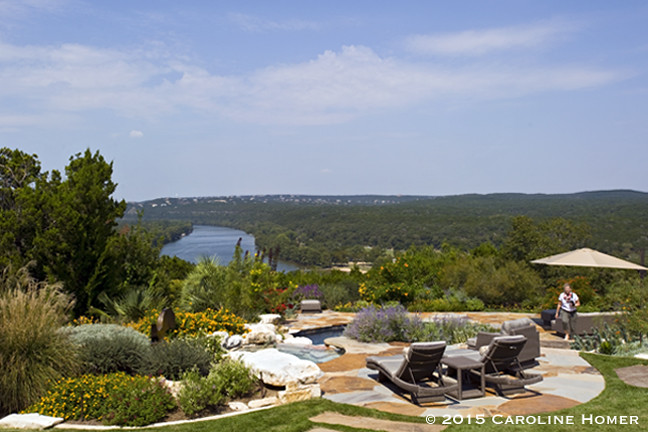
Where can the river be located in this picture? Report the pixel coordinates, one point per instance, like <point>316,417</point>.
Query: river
<point>214,241</point>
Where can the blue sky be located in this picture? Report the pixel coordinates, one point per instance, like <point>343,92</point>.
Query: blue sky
<point>203,98</point>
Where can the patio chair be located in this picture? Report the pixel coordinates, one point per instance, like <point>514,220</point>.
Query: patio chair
<point>522,326</point>
<point>503,371</point>
<point>417,371</point>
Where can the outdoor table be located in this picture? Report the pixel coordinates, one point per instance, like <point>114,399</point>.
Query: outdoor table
<point>462,365</point>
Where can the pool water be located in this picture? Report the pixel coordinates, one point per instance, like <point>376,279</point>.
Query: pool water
<point>314,353</point>
<point>318,352</point>
<point>320,334</point>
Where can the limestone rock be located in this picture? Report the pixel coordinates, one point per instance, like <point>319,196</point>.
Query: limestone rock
<point>270,318</point>
<point>259,334</point>
<point>299,392</point>
<point>286,397</point>
<point>279,369</point>
<point>233,341</point>
<point>29,421</point>
<point>298,340</point>
<point>260,403</point>
<point>238,406</point>
<point>221,335</point>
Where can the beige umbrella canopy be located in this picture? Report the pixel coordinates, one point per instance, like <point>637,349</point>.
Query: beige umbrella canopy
<point>588,258</point>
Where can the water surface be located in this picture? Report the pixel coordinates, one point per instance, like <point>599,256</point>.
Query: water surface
<point>214,241</point>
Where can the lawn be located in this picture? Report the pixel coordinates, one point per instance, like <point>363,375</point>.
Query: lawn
<point>617,399</point>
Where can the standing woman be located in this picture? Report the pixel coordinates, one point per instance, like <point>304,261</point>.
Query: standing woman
<point>568,301</point>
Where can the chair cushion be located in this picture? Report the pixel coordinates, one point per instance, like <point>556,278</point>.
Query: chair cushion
<point>390,365</point>
<point>509,326</point>
<point>507,339</point>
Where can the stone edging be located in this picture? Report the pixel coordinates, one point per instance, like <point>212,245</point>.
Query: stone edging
<point>156,425</point>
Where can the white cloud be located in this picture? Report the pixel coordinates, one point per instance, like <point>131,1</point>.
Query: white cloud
<point>479,42</point>
<point>257,24</point>
<point>136,134</point>
<point>333,87</point>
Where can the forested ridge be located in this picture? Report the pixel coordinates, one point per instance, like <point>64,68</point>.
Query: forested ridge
<point>336,229</point>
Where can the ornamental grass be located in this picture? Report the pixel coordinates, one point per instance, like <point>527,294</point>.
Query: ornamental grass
<point>32,349</point>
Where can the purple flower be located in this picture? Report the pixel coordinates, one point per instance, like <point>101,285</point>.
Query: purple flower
<point>311,292</point>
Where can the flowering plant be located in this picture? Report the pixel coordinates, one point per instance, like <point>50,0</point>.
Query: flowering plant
<point>195,324</point>
<point>310,292</point>
<point>114,398</point>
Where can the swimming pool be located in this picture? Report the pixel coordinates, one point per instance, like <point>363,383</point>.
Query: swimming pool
<point>314,353</point>
<point>318,335</point>
<point>318,352</point>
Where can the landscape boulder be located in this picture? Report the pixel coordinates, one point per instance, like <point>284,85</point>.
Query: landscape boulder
<point>260,334</point>
<point>233,341</point>
<point>279,369</point>
<point>270,319</point>
<point>297,340</point>
<point>29,421</point>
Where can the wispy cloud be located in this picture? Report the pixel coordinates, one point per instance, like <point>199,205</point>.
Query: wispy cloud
<point>479,42</point>
<point>257,24</point>
<point>334,87</point>
<point>136,134</point>
<point>12,10</point>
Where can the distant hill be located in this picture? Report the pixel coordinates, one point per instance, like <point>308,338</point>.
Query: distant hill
<point>320,230</point>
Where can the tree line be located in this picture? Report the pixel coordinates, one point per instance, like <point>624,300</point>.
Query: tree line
<point>322,232</point>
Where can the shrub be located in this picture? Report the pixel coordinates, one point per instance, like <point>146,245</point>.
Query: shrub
<point>493,282</point>
<point>339,294</point>
<point>611,340</point>
<point>352,306</point>
<point>195,324</point>
<point>197,394</point>
<point>173,358</point>
<point>107,348</point>
<point>376,292</point>
<point>453,301</point>
<point>141,402</point>
<point>229,379</point>
<point>311,292</point>
<point>452,329</point>
<point>234,377</point>
<point>392,323</point>
<point>376,324</point>
<point>116,399</point>
<point>32,350</point>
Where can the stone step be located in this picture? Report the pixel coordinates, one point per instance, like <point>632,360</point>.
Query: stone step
<point>555,343</point>
<point>334,418</point>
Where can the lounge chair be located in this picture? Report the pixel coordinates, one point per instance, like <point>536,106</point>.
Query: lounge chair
<point>417,371</point>
<point>522,326</point>
<point>503,371</point>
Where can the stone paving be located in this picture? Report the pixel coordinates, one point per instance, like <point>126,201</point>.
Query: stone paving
<point>568,379</point>
<point>634,375</point>
<point>334,418</point>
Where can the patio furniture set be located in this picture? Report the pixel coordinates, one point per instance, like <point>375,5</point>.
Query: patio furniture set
<point>429,373</point>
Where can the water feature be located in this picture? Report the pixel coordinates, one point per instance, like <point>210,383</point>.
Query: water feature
<point>214,241</point>
<point>314,353</point>
<point>318,352</point>
<point>318,335</point>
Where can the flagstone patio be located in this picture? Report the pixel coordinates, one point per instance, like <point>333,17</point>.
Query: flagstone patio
<point>568,379</point>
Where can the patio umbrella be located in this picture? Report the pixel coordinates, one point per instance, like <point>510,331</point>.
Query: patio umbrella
<point>588,258</point>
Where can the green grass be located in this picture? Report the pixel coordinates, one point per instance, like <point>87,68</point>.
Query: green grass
<point>617,399</point>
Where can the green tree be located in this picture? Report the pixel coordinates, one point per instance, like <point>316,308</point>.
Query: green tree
<point>78,223</point>
<point>528,240</point>
<point>19,207</point>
